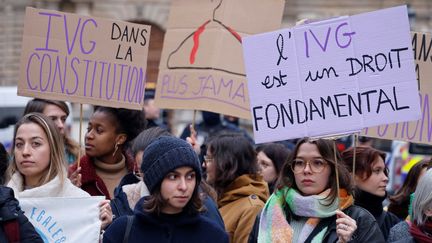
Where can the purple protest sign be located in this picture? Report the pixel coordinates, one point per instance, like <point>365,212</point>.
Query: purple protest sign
<point>332,77</point>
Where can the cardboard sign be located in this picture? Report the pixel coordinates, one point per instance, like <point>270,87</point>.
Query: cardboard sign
<point>83,59</point>
<point>64,219</point>
<point>332,77</point>
<point>202,61</point>
<point>419,131</point>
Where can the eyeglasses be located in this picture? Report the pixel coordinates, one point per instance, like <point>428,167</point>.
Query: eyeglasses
<point>315,165</point>
<point>208,159</point>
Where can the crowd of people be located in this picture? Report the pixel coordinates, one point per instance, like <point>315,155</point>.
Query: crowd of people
<point>209,185</point>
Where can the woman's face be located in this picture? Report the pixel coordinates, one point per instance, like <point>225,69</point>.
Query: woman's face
<point>210,165</point>
<point>376,183</point>
<point>57,115</point>
<point>267,168</point>
<point>177,189</point>
<point>307,181</point>
<point>101,136</point>
<point>32,152</point>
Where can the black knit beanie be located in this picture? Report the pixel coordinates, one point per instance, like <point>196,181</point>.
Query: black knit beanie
<point>164,155</point>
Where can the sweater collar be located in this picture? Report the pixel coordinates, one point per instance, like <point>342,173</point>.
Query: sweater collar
<point>88,171</point>
<point>53,187</point>
<point>369,201</point>
<point>110,168</point>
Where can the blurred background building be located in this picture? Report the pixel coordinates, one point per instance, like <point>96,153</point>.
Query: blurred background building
<point>155,12</point>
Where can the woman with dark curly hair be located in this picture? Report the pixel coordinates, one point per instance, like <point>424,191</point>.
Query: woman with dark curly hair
<point>232,170</point>
<point>107,159</point>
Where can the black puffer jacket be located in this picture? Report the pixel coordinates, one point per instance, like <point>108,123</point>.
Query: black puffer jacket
<point>10,210</point>
<point>367,228</point>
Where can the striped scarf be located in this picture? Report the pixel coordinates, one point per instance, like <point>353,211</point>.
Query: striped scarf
<point>273,225</point>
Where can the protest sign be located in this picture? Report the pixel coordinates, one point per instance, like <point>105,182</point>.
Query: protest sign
<point>83,59</point>
<point>332,77</point>
<point>60,219</point>
<point>419,131</point>
<point>202,61</point>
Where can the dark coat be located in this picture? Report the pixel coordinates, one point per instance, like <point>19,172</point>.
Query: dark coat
<point>400,233</point>
<point>373,203</point>
<point>367,227</point>
<point>120,205</point>
<point>386,221</point>
<point>10,210</point>
<point>149,227</point>
<point>90,181</point>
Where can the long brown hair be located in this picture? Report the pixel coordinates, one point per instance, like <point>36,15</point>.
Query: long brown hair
<point>325,148</point>
<point>233,156</point>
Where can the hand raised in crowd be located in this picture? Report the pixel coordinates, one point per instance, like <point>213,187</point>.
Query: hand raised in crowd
<point>75,177</point>
<point>345,227</point>
<point>105,213</point>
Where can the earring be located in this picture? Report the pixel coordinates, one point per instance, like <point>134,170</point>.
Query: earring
<point>116,148</point>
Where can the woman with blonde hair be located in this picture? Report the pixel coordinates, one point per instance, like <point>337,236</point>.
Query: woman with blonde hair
<point>57,111</point>
<point>38,167</point>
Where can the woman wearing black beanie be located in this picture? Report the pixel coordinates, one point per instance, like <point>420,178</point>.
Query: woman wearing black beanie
<point>172,173</point>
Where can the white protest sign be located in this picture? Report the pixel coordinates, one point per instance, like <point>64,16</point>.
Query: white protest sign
<point>332,77</point>
<point>60,219</point>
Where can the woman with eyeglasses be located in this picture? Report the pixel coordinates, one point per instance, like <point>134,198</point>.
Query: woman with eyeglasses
<point>307,206</point>
<point>232,170</point>
<point>371,180</point>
